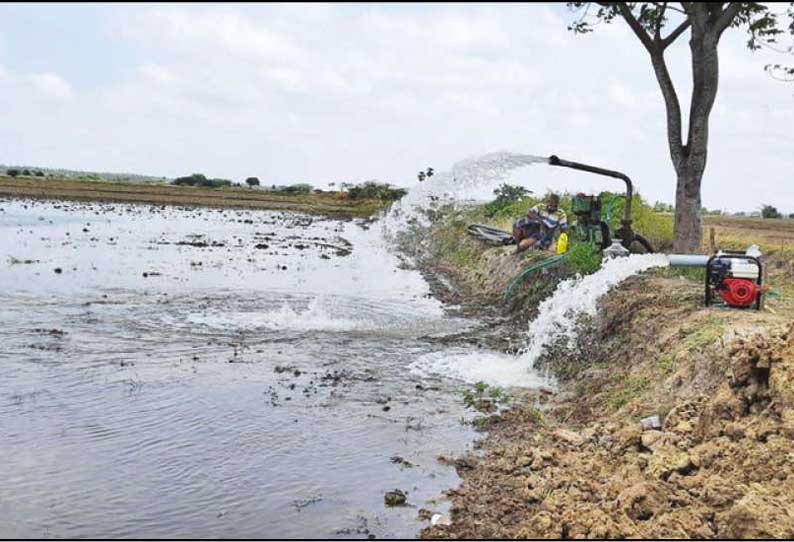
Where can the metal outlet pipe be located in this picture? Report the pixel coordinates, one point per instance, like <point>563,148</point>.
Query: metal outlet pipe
<point>557,161</point>
<point>688,260</point>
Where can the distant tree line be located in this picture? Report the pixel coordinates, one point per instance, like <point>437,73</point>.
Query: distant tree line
<point>376,190</point>
<point>14,172</point>
<point>198,179</point>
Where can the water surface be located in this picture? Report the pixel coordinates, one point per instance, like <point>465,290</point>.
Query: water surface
<point>214,373</point>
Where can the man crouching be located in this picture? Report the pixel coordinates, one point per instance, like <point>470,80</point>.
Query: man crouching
<point>540,227</point>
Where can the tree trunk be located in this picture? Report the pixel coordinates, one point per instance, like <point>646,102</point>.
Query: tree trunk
<point>688,227</point>
<point>691,161</point>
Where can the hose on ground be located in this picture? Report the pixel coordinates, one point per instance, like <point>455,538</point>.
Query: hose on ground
<point>537,266</point>
<point>490,234</point>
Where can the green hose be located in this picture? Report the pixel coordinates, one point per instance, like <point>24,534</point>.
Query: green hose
<point>537,266</point>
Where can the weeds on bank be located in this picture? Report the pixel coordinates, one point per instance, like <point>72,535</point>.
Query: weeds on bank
<point>665,363</point>
<point>484,398</point>
<point>583,258</point>
<point>627,390</point>
<point>706,332</point>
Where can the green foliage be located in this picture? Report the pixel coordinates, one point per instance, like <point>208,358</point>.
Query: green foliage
<point>252,181</point>
<point>192,180</point>
<point>12,172</point>
<point>657,228</point>
<point>626,390</point>
<point>298,189</point>
<point>376,190</point>
<point>506,196</point>
<point>198,179</point>
<point>768,211</point>
<point>762,24</point>
<point>536,416</point>
<point>26,172</point>
<point>662,207</point>
<point>484,398</point>
<point>695,274</point>
<point>665,363</point>
<point>583,258</point>
<point>705,333</point>
<point>39,173</point>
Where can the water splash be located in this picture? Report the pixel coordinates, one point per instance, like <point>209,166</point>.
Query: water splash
<point>315,317</point>
<point>472,366</point>
<point>558,315</point>
<point>470,176</point>
<point>556,324</point>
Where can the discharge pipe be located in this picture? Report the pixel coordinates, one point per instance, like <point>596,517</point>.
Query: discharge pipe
<point>557,161</point>
<point>701,260</point>
<point>688,260</point>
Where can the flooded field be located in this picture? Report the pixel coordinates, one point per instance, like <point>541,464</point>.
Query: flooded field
<point>173,372</point>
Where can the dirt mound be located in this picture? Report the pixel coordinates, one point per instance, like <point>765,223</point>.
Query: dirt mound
<point>720,465</point>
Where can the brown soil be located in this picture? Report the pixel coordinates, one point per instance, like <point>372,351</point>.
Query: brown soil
<point>78,190</point>
<point>579,464</point>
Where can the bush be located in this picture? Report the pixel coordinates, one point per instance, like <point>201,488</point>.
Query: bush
<point>39,173</point>
<point>662,207</point>
<point>506,195</point>
<point>299,189</point>
<point>192,180</point>
<point>252,181</point>
<point>12,172</point>
<point>376,190</point>
<point>198,179</point>
<point>26,172</point>
<point>657,228</point>
<point>583,258</point>
<point>768,211</point>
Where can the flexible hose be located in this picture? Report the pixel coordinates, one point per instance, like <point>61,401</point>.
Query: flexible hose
<point>490,234</point>
<point>537,266</point>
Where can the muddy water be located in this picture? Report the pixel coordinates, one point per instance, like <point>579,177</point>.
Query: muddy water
<point>214,373</point>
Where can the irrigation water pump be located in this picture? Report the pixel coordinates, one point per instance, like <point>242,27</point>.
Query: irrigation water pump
<point>588,226</point>
<point>736,277</point>
<point>733,278</point>
<point>592,228</point>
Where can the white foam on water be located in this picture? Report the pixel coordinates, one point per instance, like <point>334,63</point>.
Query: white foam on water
<point>472,366</point>
<point>314,318</point>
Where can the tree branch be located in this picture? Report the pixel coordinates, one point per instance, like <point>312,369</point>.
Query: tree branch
<point>635,25</point>
<point>657,34</point>
<point>679,10</point>
<point>726,17</point>
<point>683,27</point>
<point>672,107</point>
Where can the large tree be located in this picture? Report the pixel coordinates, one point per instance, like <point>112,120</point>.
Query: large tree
<point>658,25</point>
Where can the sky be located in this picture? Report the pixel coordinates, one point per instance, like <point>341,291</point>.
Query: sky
<point>350,92</point>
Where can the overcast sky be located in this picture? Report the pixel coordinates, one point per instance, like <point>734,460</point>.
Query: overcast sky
<point>325,93</point>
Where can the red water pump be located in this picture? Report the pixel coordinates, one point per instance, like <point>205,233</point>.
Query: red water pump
<point>736,277</point>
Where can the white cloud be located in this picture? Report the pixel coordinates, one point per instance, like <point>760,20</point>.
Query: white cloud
<point>48,86</point>
<point>330,92</point>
